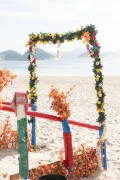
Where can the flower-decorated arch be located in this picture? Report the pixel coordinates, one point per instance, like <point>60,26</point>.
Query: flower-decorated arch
<point>88,35</point>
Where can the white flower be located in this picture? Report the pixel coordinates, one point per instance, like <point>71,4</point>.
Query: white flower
<point>98,76</point>
<point>97,63</point>
<point>100,84</point>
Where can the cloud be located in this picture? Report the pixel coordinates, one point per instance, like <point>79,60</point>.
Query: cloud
<point>19,17</point>
<point>35,15</point>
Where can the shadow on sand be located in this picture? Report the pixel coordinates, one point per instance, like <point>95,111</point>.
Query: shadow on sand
<point>7,152</point>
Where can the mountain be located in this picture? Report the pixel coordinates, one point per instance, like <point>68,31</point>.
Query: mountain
<point>103,54</point>
<point>110,54</point>
<point>82,53</point>
<point>73,54</point>
<point>40,55</point>
<point>11,55</point>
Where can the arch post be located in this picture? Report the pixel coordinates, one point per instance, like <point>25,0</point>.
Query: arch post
<point>33,89</point>
<point>103,146</point>
<point>33,131</point>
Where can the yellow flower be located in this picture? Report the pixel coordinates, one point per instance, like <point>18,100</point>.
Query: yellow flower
<point>58,41</point>
<point>31,37</point>
<point>61,35</point>
<point>99,102</point>
<point>100,110</point>
<point>99,92</point>
<point>30,96</point>
<point>45,42</point>
<point>102,104</point>
<point>49,34</point>
<point>40,36</point>
<point>53,36</point>
<point>32,89</point>
<point>97,69</point>
<point>97,79</point>
<point>86,35</point>
<point>38,42</point>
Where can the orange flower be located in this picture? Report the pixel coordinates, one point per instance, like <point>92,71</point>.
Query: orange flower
<point>86,35</point>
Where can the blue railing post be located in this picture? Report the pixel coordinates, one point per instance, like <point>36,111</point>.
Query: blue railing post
<point>33,138</point>
<point>103,149</point>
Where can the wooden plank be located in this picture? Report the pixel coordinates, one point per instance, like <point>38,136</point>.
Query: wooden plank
<point>15,177</point>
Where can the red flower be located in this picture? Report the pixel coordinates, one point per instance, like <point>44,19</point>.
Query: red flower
<point>94,34</point>
<point>96,44</point>
<point>92,38</point>
<point>94,55</point>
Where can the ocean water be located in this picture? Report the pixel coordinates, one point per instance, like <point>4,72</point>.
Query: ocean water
<point>62,66</point>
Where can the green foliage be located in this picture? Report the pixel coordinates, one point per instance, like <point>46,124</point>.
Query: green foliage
<point>23,148</point>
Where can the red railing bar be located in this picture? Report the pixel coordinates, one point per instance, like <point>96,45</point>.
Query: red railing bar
<point>55,118</point>
<point>51,117</point>
<point>8,103</point>
<point>6,108</point>
<point>84,125</point>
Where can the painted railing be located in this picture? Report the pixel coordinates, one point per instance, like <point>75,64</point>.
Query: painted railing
<point>20,105</point>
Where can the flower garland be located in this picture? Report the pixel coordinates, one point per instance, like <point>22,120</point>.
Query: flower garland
<point>93,50</point>
<point>88,35</point>
<point>33,77</point>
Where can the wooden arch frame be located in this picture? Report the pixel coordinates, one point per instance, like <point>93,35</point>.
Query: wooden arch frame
<point>88,35</point>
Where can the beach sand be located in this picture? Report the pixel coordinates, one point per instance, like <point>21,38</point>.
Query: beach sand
<point>83,109</point>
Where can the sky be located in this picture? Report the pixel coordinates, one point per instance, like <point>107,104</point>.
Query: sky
<point>18,18</point>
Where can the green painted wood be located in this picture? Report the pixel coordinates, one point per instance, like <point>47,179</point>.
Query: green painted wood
<point>23,148</point>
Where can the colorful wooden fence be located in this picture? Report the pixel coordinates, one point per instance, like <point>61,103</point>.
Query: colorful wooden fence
<point>20,105</point>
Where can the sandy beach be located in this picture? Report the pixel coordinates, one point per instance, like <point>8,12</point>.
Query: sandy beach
<point>83,109</point>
